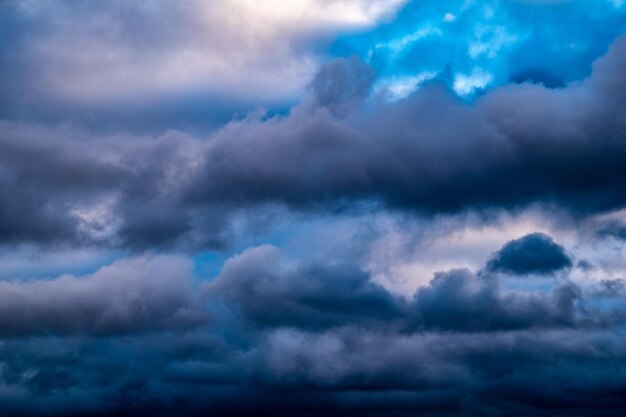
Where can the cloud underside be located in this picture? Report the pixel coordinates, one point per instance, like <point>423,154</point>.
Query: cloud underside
<point>270,335</point>
<point>429,154</point>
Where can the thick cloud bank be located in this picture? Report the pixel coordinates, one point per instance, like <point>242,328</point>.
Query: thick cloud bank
<point>126,297</point>
<point>515,146</point>
<point>304,338</point>
<point>313,208</point>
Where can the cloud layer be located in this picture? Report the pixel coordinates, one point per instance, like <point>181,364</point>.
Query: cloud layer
<point>313,207</point>
<point>429,154</point>
<point>305,338</point>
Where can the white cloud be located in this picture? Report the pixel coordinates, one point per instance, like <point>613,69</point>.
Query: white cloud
<point>449,17</point>
<point>465,84</point>
<point>241,47</point>
<point>399,87</point>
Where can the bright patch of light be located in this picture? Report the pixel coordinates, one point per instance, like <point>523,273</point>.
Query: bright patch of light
<point>449,17</point>
<point>466,84</point>
<point>346,12</point>
<point>220,43</point>
<point>397,88</point>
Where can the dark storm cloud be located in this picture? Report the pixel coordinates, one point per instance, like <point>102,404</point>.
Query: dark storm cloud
<point>459,300</point>
<point>268,293</point>
<point>429,154</point>
<point>63,186</point>
<point>535,253</point>
<point>126,297</point>
<point>311,339</point>
<point>265,291</point>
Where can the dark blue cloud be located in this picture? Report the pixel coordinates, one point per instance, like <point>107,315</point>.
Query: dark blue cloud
<point>266,293</point>
<point>462,301</point>
<point>322,340</point>
<point>614,229</point>
<point>429,154</point>
<point>536,253</point>
<point>126,128</point>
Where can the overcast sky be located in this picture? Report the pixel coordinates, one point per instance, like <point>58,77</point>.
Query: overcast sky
<point>313,207</point>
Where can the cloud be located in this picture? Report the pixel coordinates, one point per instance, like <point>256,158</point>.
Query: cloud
<point>614,229</point>
<point>119,51</point>
<point>429,154</point>
<point>268,293</point>
<point>255,256</point>
<point>459,300</point>
<point>342,84</point>
<point>501,40</point>
<point>295,336</point>
<point>535,253</point>
<point>432,154</point>
<point>129,296</point>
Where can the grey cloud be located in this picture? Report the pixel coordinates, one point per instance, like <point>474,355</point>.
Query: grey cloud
<point>268,293</point>
<point>126,297</point>
<point>460,300</point>
<point>614,229</point>
<point>429,154</point>
<point>97,63</point>
<point>517,145</point>
<point>306,339</point>
<point>342,84</point>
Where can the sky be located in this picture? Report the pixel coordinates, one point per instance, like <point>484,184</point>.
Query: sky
<point>313,207</point>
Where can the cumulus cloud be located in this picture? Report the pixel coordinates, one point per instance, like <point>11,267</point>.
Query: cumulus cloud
<point>268,293</point>
<point>253,280</point>
<point>264,290</point>
<point>536,253</point>
<point>429,154</point>
<point>460,300</point>
<point>293,337</point>
<point>119,50</point>
<point>126,297</point>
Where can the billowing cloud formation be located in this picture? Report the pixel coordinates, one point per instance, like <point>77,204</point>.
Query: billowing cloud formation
<point>126,297</point>
<point>393,234</point>
<point>431,153</point>
<point>428,154</point>
<point>459,300</point>
<point>299,337</point>
<point>267,293</point>
<point>117,51</point>
<point>536,253</point>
